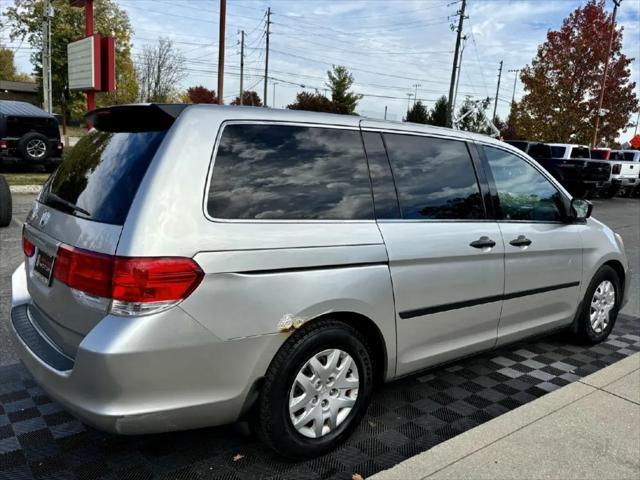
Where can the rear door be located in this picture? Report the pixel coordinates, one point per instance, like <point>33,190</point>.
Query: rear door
<point>83,205</point>
<point>445,255</point>
<point>543,255</point>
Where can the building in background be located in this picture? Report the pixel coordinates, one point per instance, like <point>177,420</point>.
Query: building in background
<point>21,91</point>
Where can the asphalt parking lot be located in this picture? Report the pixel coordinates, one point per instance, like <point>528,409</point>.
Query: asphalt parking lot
<point>39,440</point>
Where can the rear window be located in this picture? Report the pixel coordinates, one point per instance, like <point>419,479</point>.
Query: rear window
<point>539,150</point>
<point>599,154</point>
<point>629,156</point>
<point>290,172</point>
<point>101,174</point>
<point>558,152</point>
<point>579,152</point>
<point>19,126</point>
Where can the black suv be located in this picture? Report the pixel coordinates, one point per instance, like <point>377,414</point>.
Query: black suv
<point>28,135</point>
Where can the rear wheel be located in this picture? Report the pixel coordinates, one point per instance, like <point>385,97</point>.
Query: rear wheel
<point>600,306</point>
<point>316,390</point>
<point>5,202</point>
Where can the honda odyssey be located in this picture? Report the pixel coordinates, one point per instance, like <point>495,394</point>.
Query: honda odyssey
<point>189,266</point>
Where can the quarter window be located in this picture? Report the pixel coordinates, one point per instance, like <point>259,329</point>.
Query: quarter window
<point>523,192</point>
<point>290,172</point>
<point>434,177</point>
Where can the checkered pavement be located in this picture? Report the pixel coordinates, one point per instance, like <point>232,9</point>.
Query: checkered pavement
<point>38,439</point>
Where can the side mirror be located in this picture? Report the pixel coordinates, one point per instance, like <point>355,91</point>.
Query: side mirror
<point>580,209</point>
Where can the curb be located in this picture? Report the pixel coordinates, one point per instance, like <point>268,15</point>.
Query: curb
<point>25,188</point>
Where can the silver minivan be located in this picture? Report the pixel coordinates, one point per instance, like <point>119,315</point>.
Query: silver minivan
<point>189,266</point>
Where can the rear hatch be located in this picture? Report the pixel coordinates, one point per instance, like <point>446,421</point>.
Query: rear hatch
<point>82,208</point>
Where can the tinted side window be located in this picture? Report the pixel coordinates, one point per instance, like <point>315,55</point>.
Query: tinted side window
<point>558,152</point>
<point>290,172</point>
<point>384,192</point>
<point>434,177</point>
<point>523,192</point>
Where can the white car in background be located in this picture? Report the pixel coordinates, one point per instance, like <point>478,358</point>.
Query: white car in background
<point>625,171</point>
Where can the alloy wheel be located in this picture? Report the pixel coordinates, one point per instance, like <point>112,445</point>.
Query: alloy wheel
<point>323,393</point>
<point>602,302</point>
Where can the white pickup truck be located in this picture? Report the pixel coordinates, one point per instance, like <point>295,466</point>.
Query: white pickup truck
<point>625,172</point>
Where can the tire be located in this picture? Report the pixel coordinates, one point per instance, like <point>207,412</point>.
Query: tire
<point>34,147</point>
<point>5,203</point>
<point>588,329</point>
<point>609,192</point>
<point>274,423</point>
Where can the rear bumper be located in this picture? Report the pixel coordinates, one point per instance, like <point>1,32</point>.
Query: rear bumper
<point>151,374</point>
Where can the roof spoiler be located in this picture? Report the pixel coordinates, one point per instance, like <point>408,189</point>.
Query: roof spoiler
<point>135,118</point>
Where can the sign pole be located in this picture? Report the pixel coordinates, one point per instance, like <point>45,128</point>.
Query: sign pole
<point>88,30</point>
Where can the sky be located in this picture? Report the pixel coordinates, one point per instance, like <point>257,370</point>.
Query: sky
<point>392,47</point>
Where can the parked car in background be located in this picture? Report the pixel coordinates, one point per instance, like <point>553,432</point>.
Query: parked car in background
<point>286,262</point>
<point>28,135</point>
<point>625,172</point>
<point>570,165</point>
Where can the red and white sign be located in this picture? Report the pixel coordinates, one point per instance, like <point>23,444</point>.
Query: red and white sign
<point>91,64</point>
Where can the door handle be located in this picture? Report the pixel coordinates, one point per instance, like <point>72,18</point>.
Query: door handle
<point>483,242</point>
<point>521,241</point>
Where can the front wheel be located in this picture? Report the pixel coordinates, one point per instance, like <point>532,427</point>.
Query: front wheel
<point>600,306</point>
<point>316,390</point>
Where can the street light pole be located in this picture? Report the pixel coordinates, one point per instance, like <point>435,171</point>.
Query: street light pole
<point>221,34</point>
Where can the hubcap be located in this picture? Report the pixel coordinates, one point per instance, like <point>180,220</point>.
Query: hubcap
<point>323,393</point>
<point>604,299</point>
<point>36,148</point>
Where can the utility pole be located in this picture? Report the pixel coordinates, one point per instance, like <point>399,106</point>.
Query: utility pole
<point>273,100</point>
<point>455,95</point>
<point>616,4</point>
<point>409,95</point>
<point>46,57</point>
<point>385,114</point>
<point>495,103</point>
<point>637,122</point>
<point>515,82</point>
<point>455,61</point>
<point>223,20</point>
<point>241,62</point>
<point>266,59</point>
<point>415,97</point>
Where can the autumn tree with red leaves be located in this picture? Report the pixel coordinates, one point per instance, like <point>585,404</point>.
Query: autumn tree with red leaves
<point>562,84</point>
<point>201,94</point>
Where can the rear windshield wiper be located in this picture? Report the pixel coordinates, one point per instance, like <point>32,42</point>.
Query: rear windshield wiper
<point>66,203</point>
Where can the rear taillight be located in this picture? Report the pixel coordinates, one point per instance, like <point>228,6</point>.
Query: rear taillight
<point>616,169</point>
<point>135,285</point>
<point>60,145</point>
<point>27,247</point>
<point>3,144</point>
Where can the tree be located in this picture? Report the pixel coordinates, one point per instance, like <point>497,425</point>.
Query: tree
<point>562,84</point>
<point>200,94</point>
<point>438,114</point>
<point>250,98</point>
<point>472,115</point>
<point>8,67</point>
<point>313,102</point>
<point>24,22</point>
<point>418,113</point>
<point>340,81</point>
<point>159,70</point>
